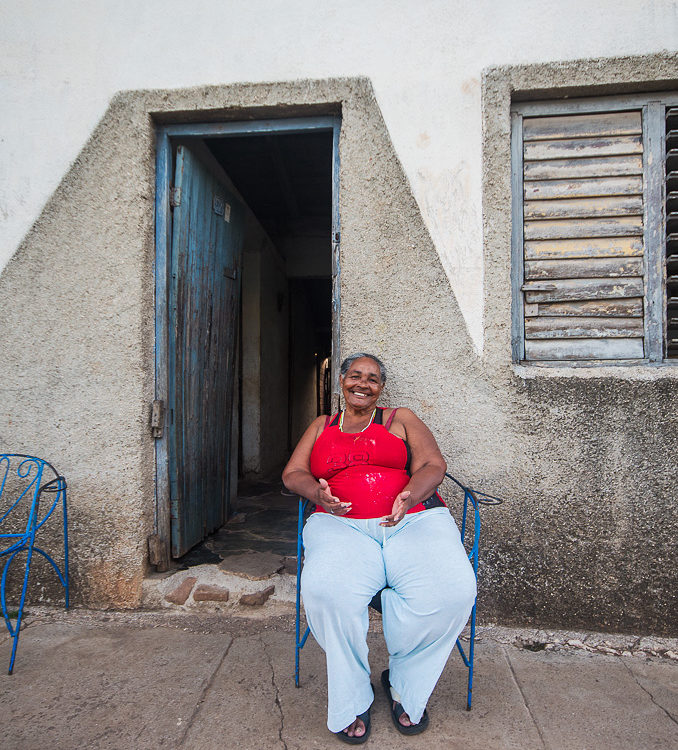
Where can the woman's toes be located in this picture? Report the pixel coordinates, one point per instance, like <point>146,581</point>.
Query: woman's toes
<point>404,719</point>
<point>357,729</point>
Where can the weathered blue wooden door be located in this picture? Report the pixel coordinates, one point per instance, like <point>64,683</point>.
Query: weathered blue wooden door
<point>204,299</point>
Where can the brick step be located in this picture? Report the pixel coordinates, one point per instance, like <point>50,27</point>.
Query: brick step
<point>243,581</point>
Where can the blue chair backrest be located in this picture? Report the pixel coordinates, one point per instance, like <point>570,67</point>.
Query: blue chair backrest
<point>23,482</point>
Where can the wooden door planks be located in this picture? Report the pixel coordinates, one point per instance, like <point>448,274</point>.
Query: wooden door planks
<point>204,301</point>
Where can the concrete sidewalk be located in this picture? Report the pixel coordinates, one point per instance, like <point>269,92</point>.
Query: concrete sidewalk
<point>156,680</point>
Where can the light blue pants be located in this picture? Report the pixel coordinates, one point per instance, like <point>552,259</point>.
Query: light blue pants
<point>430,594</point>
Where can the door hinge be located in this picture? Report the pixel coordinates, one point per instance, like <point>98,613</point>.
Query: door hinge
<point>175,197</point>
<point>157,418</point>
<point>218,205</point>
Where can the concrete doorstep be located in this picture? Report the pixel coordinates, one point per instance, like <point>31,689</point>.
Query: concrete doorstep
<point>185,679</point>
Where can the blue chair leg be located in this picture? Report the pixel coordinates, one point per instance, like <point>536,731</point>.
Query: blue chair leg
<point>471,654</point>
<point>299,642</point>
<point>66,578</point>
<point>15,631</point>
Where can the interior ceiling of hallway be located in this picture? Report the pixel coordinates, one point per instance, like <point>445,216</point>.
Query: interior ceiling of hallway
<point>285,179</point>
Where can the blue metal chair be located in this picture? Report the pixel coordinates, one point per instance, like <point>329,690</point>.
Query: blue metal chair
<point>24,480</point>
<point>472,497</point>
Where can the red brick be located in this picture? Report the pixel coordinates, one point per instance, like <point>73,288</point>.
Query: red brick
<point>181,592</point>
<point>207,593</point>
<point>258,598</point>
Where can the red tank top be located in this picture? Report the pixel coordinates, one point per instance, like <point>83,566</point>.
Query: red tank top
<point>367,469</point>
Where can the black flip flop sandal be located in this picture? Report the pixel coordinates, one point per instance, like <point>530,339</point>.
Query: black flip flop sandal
<point>397,710</point>
<point>365,718</point>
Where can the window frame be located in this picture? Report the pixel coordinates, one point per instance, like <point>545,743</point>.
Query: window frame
<point>652,107</point>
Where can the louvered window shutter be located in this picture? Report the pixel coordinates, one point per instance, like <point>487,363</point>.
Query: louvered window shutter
<point>583,236</point>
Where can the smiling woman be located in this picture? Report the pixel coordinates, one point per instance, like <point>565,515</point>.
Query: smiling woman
<point>379,525</point>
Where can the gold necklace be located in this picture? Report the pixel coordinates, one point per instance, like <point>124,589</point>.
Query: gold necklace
<point>341,423</point>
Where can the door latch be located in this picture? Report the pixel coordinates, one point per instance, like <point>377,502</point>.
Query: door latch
<point>175,197</point>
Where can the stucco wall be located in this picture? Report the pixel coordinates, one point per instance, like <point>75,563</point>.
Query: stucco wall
<point>586,537</point>
<point>77,344</point>
<point>585,457</point>
<point>64,60</point>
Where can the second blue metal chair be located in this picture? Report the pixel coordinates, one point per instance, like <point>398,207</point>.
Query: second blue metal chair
<point>473,499</point>
<point>24,482</point>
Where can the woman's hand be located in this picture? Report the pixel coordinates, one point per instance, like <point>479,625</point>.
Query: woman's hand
<point>400,507</point>
<point>329,502</point>
<point>427,467</point>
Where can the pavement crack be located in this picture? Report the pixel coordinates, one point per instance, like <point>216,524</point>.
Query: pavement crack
<point>544,744</point>
<point>281,729</point>
<point>203,695</point>
<point>652,698</point>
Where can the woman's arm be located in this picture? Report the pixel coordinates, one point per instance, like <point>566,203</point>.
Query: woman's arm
<point>427,467</point>
<point>297,475</point>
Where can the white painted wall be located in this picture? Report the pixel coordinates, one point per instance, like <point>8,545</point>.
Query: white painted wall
<point>63,60</point>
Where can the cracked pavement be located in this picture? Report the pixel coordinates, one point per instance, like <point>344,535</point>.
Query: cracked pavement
<point>139,680</point>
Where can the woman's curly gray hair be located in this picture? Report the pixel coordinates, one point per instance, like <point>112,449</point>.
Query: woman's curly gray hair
<point>346,364</point>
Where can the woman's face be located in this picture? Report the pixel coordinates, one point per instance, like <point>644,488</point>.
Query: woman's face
<point>362,384</point>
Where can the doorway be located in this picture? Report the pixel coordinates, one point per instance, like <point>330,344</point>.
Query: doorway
<point>246,317</point>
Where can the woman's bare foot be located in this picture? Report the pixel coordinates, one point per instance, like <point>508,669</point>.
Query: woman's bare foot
<point>400,717</point>
<point>357,729</point>
<point>404,719</point>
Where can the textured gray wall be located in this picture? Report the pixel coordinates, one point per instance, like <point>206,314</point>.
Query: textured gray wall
<point>76,352</point>
<point>585,463</point>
